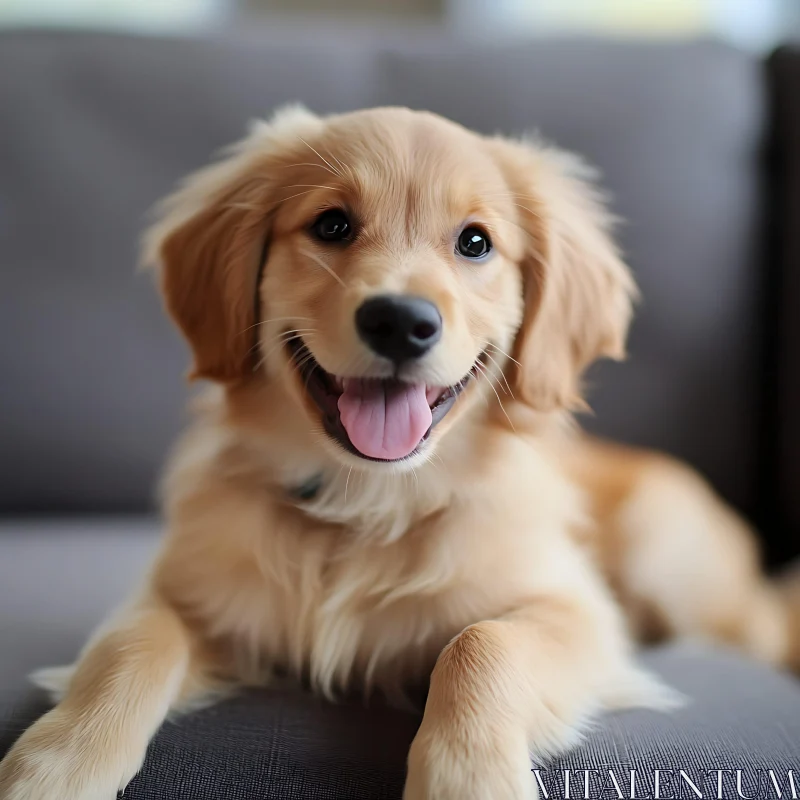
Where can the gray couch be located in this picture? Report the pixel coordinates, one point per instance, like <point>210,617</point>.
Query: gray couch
<point>94,128</point>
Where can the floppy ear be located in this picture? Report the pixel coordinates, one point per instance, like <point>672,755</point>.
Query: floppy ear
<point>210,239</point>
<point>578,292</point>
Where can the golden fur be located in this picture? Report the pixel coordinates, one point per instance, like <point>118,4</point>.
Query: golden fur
<point>510,559</point>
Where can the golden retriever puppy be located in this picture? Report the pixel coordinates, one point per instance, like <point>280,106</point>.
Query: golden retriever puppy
<point>385,483</point>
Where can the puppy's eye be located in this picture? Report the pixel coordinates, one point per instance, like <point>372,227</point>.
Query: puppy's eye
<point>332,226</point>
<point>473,243</point>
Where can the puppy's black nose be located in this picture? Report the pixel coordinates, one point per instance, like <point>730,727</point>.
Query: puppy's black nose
<point>398,326</point>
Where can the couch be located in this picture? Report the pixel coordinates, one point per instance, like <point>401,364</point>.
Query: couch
<point>699,145</point>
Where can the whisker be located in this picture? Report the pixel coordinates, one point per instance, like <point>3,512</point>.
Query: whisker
<point>312,186</point>
<point>300,364</point>
<point>283,319</point>
<point>339,162</point>
<point>311,164</point>
<point>274,319</point>
<point>287,336</point>
<point>347,483</point>
<point>287,199</point>
<point>290,333</point>
<point>481,369</point>
<point>431,459</point>
<point>346,168</point>
<point>529,210</point>
<point>291,197</point>
<point>282,338</point>
<point>502,374</point>
<point>503,353</point>
<point>416,480</point>
<point>320,156</point>
<point>298,368</point>
<point>320,263</point>
<point>260,363</point>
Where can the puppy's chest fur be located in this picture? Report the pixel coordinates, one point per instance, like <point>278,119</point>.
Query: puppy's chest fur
<point>365,588</point>
<point>313,599</point>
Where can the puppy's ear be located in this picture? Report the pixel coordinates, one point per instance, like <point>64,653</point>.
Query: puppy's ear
<point>578,292</point>
<point>210,238</point>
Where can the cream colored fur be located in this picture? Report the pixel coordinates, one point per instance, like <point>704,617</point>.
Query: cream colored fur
<point>510,559</point>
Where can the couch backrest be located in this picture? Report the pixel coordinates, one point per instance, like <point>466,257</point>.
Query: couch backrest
<point>96,127</point>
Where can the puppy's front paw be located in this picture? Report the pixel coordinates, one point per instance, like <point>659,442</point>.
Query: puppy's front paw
<point>463,765</point>
<point>53,760</point>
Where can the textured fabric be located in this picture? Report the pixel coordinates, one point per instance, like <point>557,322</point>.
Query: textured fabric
<point>285,744</point>
<point>782,459</point>
<point>102,125</point>
<point>58,580</point>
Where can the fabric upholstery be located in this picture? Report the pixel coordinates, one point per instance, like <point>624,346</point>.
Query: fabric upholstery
<point>284,744</point>
<point>58,580</point>
<point>103,125</point>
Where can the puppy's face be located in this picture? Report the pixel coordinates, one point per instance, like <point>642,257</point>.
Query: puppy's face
<point>391,281</point>
<point>390,268</point>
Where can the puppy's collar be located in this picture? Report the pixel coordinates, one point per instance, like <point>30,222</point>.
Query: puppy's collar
<point>308,490</point>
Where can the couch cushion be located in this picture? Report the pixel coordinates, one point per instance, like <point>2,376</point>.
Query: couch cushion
<point>285,744</point>
<point>102,125</point>
<point>58,580</point>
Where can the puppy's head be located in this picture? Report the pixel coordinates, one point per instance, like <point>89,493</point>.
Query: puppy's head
<point>391,269</point>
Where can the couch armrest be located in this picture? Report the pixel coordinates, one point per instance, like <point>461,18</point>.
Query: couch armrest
<point>781,463</point>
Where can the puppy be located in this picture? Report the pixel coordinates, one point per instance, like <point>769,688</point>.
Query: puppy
<point>385,482</point>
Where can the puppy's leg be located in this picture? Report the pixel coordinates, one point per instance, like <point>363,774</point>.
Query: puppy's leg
<point>94,741</point>
<point>693,563</point>
<point>518,687</point>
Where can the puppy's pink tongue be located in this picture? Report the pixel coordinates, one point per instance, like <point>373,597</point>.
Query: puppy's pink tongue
<point>384,420</point>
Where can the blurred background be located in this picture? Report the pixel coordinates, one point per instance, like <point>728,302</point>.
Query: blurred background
<point>753,24</point>
<point>105,104</point>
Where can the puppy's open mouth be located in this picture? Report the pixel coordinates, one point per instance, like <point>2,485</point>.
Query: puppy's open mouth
<point>374,418</point>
